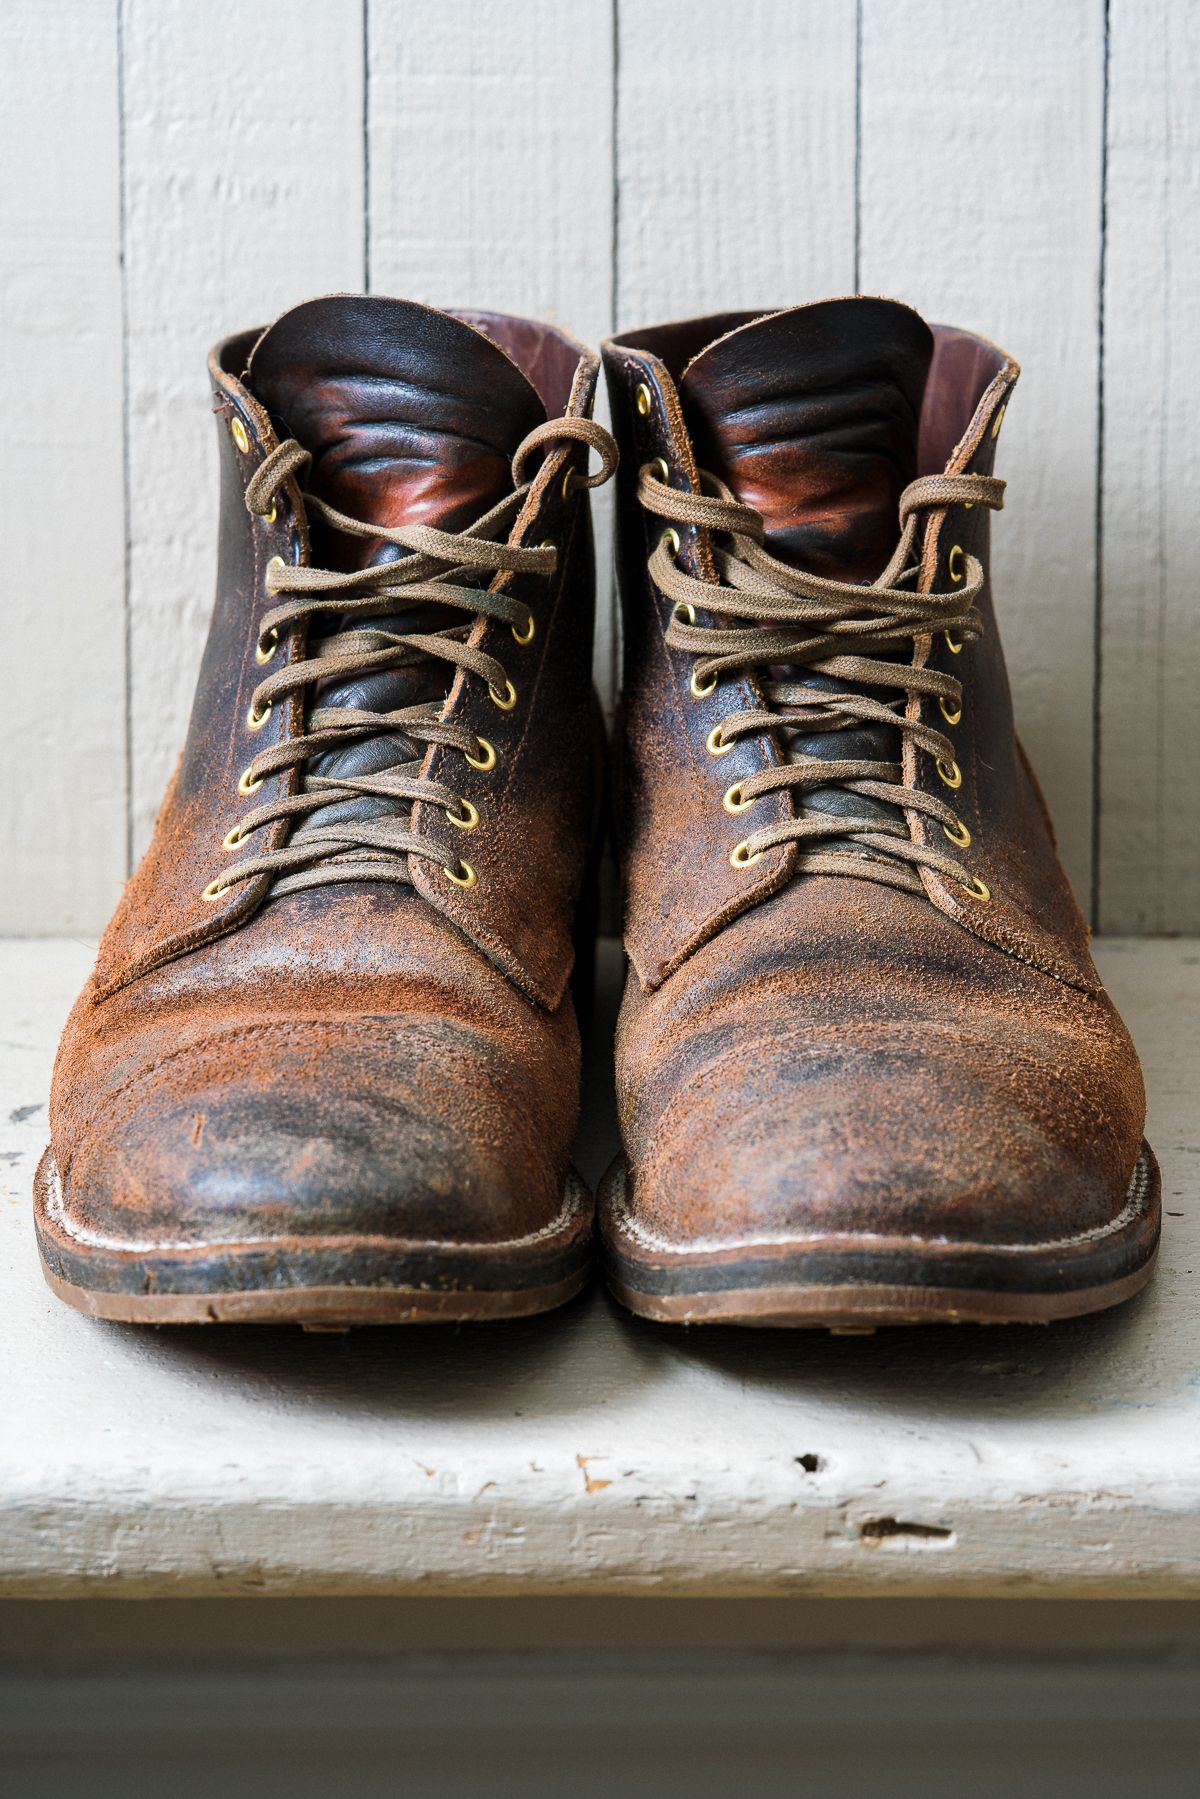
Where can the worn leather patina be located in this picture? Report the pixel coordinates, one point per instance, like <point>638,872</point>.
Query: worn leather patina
<point>354,1101</point>
<point>847,1100</point>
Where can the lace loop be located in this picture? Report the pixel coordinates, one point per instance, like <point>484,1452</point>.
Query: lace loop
<point>584,431</point>
<point>762,616</point>
<point>361,638</point>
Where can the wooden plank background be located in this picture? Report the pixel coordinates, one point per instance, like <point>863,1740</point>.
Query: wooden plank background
<point>171,172</point>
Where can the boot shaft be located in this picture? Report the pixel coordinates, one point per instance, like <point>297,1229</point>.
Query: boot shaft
<point>818,418</point>
<point>408,418</point>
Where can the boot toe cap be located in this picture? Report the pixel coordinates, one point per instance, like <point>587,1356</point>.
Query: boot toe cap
<point>893,1138</point>
<point>388,1128</point>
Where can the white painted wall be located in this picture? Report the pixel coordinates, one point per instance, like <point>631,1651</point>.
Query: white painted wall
<point>170,172</point>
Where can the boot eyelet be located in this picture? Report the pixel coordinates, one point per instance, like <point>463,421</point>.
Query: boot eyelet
<point>953,644</point>
<point>683,613</point>
<point>568,484</point>
<point>643,399</point>
<point>949,772</point>
<point>266,646</point>
<point>214,890</point>
<point>275,562</point>
<point>530,628</point>
<point>462,876</point>
<point>697,691</point>
<point>239,434</point>
<point>669,541</point>
<point>976,889</point>
<point>658,469</point>
<point>951,718</point>
<point>234,839</point>
<point>733,801</point>
<point>248,783</point>
<point>955,563</point>
<point>999,420</point>
<point>741,856</point>
<point>268,518</point>
<point>959,835</point>
<point>505,700</point>
<point>486,759</point>
<point>255,720</point>
<point>715,743</point>
<point>466,818</point>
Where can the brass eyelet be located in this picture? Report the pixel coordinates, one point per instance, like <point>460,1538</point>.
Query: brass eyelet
<point>487,760</point>
<point>214,890</point>
<point>234,839</point>
<point>247,784</point>
<point>683,613</point>
<point>256,720</point>
<point>463,876</point>
<point>951,718</point>
<point>701,693</point>
<point>643,399</point>
<point>658,468</point>
<point>976,888</point>
<point>955,563</point>
<point>268,518</point>
<point>568,484</point>
<point>506,700</point>
<point>275,562</point>
<point>529,631</point>
<point>715,742</point>
<point>959,835</point>
<point>466,818</point>
<point>669,541</point>
<point>266,646</point>
<point>733,801</point>
<point>949,772</point>
<point>999,420</point>
<point>953,644</point>
<point>741,856</point>
<point>239,434</point>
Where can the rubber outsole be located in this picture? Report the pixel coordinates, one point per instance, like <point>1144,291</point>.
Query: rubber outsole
<point>791,1286</point>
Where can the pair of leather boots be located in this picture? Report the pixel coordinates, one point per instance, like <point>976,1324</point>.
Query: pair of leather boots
<point>327,1067</point>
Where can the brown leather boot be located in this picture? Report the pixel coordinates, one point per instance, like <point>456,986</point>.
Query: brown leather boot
<point>866,1070</point>
<point>327,1066</point>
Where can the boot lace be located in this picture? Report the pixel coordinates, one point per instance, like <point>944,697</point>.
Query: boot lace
<point>776,618</point>
<point>445,568</point>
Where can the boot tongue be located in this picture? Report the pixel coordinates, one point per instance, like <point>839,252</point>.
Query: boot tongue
<point>410,415</point>
<point>411,418</point>
<point>811,417</point>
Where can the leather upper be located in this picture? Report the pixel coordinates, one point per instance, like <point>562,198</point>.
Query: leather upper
<point>362,1057</point>
<point>813,1055</point>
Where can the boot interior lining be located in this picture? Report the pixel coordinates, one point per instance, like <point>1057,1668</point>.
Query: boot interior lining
<point>963,368</point>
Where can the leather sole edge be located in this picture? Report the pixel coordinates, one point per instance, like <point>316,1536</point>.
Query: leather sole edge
<point>447,1282</point>
<point>749,1296</point>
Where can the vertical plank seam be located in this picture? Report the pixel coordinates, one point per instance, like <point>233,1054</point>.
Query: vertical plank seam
<point>1162,856</point>
<point>126,473</point>
<point>609,574</point>
<point>614,291</point>
<point>366,142</point>
<point>858,67</point>
<point>1095,906</point>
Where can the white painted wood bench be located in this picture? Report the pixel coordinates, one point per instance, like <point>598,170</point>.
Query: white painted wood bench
<point>587,1451</point>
